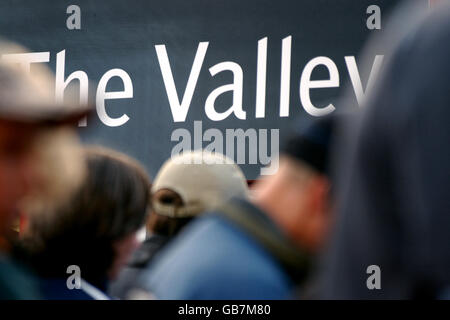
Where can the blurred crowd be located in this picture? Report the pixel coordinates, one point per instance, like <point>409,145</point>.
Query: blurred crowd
<point>358,209</point>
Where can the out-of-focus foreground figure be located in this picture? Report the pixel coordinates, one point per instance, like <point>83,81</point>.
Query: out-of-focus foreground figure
<point>392,240</point>
<point>39,156</point>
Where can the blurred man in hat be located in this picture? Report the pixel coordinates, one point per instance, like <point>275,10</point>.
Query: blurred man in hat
<point>39,159</point>
<point>259,249</point>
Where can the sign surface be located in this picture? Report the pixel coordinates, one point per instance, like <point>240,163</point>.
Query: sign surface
<point>171,75</point>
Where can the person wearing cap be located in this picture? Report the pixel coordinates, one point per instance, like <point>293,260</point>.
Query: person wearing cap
<point>39,158</point>
<point>254,249</point>
<point>185,187</point>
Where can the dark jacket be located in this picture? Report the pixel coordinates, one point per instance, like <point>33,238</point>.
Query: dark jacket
<point>53,285</point>
<point>140,259</point>
<point>16,283</point>
<point>57,289</point>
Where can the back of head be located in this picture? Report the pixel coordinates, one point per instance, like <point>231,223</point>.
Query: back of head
<point>202,180</point>
<point>111,204</point>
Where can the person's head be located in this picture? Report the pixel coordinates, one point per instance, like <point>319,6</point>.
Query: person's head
<point>188,185</point>
<point>297,196</point>
<point>96,228</point>
<point>33,130</point>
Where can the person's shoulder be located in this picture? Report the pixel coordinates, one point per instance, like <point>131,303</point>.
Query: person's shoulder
<point>219,256</point>
<point>16,282</point>
<point>57,289</point>
<point>209,236</point>
<point>201,239</point>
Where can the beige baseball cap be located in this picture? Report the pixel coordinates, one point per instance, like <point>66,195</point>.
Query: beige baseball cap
<point>203,180</point>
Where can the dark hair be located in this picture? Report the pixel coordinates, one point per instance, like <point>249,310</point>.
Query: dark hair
<point>111,203</point>
<point>164,225</point>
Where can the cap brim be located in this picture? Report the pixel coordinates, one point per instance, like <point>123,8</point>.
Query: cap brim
<point>62,116</point>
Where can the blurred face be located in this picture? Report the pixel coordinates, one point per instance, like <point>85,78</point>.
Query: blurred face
<point>123,248</point>
<point>16,169</point>
<point>296,198</point>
